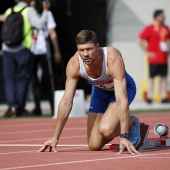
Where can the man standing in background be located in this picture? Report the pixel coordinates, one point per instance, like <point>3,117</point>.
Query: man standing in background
<point>17,59</point>
<point>157,48</point>
<point>42,57</point>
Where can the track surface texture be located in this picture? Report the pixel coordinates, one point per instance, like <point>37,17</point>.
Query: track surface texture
<point>21,138</point>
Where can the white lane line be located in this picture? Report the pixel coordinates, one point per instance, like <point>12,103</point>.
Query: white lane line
<point>23,125</point>
<point>155,157</point>
<point>5,153</point>
<point>35,131</point>
<point>24,140</point>
<point>32,145</point>
<point>82,161</point>
<point>35,151</point>
<point>39,124</point>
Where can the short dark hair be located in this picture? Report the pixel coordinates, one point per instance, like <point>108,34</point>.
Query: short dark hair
<point>157,12</point>
<point>85,36</point>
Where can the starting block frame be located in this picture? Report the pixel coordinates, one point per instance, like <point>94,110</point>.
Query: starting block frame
<point>145,142</point>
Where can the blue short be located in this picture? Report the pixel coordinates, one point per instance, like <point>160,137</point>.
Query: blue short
<point>100,99</point>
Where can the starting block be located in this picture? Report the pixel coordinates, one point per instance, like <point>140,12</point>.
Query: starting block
<point>146,143</point>
<point>150,143</point>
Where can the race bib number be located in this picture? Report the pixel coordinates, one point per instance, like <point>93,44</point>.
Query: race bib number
<point>107,85</point>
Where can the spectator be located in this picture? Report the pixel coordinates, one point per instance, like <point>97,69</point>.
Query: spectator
<point>157,36</point>
<point>16,60</point>
<point>41,56</point>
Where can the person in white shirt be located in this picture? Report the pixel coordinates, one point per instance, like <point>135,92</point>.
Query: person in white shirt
<point>42,56</point>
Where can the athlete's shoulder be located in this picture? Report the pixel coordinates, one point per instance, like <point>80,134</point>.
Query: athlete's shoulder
<point>113,52</point>
<point>73,66</point>
<point>113,56</point>
<point>115,61</point>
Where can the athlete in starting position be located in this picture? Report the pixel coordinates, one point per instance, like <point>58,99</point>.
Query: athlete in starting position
<point>113,89</point>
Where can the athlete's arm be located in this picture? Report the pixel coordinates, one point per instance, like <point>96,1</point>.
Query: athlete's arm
<point>65,105</point>
<point>116,69</point>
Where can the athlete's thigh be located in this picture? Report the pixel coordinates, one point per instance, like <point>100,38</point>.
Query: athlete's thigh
<point>110,122</point>
<point>95,139</point>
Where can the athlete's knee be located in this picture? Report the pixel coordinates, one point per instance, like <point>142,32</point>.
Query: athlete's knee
<point>94,146</point>
<point>107,132</point>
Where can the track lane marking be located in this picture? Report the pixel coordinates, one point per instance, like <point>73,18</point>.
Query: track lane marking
<point>47,130</point>
<point>30,145</point>
<point>35,124</point>
<point>81,161</point>
<point>35,151</point>
<point>64,137</point>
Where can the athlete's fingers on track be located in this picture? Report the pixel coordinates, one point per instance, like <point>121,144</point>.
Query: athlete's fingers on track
<point>133,149</point>
<point>54,149</point>
<point>130,149</point>
<point>50,148</point>
<point>120,151</point>
<point>43,148</point>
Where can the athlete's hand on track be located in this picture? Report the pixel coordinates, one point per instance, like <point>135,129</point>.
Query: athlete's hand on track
<point>51,144</point>
<point>126,144</point>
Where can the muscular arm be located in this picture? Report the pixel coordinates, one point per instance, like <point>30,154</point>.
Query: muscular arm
<point>65,105</point>
<point>66,102</point>
<point>116,69</point>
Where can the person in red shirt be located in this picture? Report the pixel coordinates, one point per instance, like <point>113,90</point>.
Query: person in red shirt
<point>154,40</point>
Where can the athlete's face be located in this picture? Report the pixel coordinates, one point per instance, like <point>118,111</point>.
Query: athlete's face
<point>88,52</point>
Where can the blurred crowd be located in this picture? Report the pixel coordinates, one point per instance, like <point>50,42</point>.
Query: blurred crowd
<point>21,61</point>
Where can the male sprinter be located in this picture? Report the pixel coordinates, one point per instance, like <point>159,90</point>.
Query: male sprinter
<point>113,89</point>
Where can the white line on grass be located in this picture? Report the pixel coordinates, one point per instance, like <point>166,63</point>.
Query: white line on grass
<point>82,161</point>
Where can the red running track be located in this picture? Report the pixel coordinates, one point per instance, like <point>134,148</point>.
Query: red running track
<point>21,138</point>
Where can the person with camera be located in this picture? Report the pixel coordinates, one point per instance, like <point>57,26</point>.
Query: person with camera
<point>17,59</point>
<point>42,56</point>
